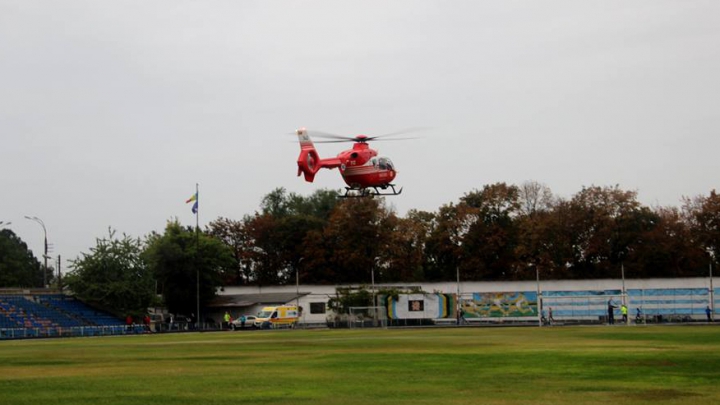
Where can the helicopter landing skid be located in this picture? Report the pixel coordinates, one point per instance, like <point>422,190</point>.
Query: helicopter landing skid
<point>356,192</point>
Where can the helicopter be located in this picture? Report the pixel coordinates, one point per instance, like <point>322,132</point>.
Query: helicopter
<point>365,173</point>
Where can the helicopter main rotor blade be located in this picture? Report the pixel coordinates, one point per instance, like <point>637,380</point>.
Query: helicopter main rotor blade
<point>392,139</point>
<point>401,132</point>
<point>327,135</point>
<point>338,141</point>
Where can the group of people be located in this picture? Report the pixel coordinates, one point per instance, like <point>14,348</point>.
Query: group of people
<point>228,319</point>
<point>611,312</point>
<point>130,323</point>
<point>639,315</point>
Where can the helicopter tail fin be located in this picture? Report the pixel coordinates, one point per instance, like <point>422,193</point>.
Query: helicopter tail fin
<point>309,160</point>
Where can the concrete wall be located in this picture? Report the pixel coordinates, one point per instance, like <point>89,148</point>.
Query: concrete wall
<point>466,289</point>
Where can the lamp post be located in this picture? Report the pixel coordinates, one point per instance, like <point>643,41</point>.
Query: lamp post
<point>539,295</point>
<point>297,284</point>
<point>712,292</point>
<point>45,255</point>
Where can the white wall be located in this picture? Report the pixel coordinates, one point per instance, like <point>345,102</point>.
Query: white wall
<point>323,293</point>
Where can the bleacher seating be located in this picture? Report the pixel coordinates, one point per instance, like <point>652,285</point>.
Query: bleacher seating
<point>79,310</point>
<point>49,315</point>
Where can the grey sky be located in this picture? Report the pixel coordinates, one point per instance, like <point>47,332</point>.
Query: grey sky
<point>111,111</point>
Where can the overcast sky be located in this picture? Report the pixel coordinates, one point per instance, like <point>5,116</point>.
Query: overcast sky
<point>111,111</point>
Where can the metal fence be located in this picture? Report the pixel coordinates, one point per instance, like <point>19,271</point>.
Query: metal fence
<point>112,330</point>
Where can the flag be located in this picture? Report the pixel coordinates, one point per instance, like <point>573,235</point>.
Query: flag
<point>195,206</point>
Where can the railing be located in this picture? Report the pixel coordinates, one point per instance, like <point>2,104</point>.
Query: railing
<point>78,331</point>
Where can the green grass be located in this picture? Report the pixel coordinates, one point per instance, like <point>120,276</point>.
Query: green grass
<point>568,365</point>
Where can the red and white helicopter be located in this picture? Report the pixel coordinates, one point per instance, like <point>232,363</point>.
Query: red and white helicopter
<point>365,173</point>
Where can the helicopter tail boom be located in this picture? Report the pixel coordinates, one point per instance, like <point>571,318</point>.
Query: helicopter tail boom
<point>309,161</point>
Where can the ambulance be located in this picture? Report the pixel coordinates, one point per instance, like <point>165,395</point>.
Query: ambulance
<point>283,316</point>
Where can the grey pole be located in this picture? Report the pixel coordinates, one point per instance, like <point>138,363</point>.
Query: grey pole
<point>45,255</point>
<point>539,295</point>
<point>197,253</point>
<point>712,292</point>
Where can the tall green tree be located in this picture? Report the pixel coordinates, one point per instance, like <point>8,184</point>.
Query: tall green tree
<point>18,266</point>
<point>113,276</point>
<point>178,256</point>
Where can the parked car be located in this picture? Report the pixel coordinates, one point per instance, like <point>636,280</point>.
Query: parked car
<point>249,322</point>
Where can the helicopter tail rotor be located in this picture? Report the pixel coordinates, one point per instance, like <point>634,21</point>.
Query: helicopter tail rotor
<point>309,161</point>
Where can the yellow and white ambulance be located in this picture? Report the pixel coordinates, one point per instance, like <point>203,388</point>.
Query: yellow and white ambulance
<point>283,316</point>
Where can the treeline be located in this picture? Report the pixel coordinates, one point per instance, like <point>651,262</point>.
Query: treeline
<point>501,232</point>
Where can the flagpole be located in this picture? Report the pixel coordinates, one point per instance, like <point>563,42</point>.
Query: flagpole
<point>197,252</point>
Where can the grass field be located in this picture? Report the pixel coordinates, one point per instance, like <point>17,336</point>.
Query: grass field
<point>564,365</point>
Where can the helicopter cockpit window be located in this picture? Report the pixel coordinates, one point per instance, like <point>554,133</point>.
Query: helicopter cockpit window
<point>385,164</point>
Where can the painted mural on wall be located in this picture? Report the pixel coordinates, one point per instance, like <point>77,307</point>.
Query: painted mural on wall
<point>420,306</point>
<point>501,304</point>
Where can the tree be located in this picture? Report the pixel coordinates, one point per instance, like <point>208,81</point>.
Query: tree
<point>113,276</point>
<point>178,256</point>
<point>489,246</point>
<point>18,266</point>
<point>235,235</point>
<point>668,249</point>
<point>355,234</point>
<point>443,248</point>
<point>536,243</point>
<point>704,216</point>
<point>404,255</point>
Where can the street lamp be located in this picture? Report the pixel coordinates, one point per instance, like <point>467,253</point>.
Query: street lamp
<point>297,283</point>
<point>45,256</point>
<point>712,297</point>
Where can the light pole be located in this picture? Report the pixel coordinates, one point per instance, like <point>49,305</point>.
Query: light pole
<point>712,297</point>
<point>539,295</point>
<point>297,284</point>
<point>45,255</point>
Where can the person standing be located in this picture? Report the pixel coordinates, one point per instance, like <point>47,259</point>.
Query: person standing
<point>226,320</point>
<point>623,311</point>
<point>550,316</point>
<point>242,321</point>
<point>708,313</point>
<point>611,312</point>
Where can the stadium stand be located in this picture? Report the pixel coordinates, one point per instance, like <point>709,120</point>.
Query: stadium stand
<point>46,315</point>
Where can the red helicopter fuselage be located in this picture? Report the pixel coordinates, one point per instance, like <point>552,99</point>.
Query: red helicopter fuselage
<point>360,167</point>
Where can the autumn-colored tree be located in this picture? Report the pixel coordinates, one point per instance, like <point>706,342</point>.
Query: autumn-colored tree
<point>234,234</point>
<point>537,241</point>
<point>704,216</point>
<point>499,232</point>
<point>489,245</point>
<point>443,248</point>
<point>356,233</point>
